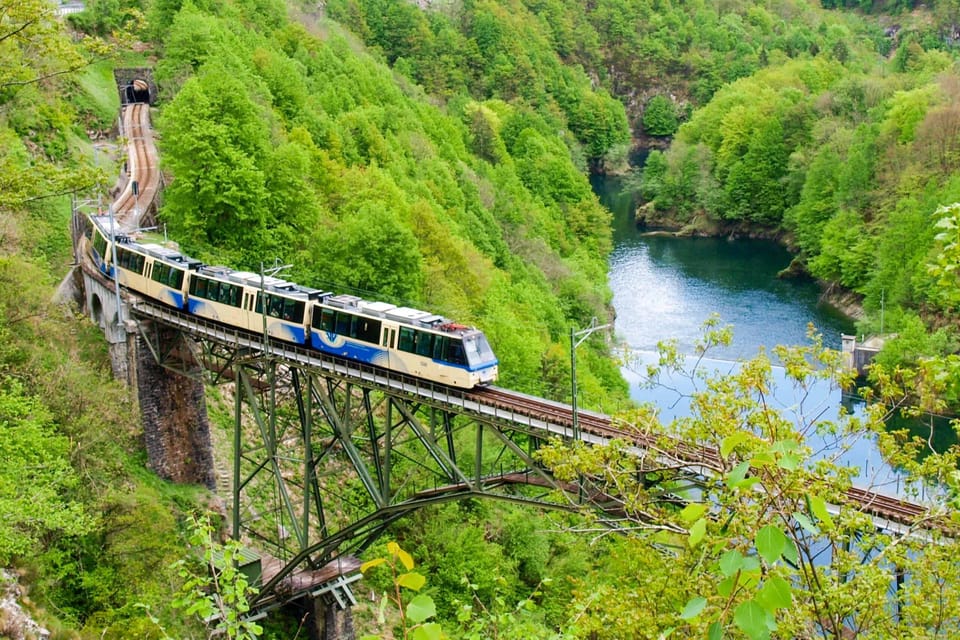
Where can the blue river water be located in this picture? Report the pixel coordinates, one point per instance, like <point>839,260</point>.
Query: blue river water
<point>665,288</point>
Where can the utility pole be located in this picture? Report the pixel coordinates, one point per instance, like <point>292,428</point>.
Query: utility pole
<point>582,334</point>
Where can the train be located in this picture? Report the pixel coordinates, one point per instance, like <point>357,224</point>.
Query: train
<point>397,338</point>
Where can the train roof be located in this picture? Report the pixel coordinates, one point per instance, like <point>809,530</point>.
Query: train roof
<point>403,315</point>
<point>271,284</point>
<point>166,254</point>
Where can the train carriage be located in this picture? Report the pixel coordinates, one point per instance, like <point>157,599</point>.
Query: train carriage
<point>238,298</point>
<point>150,269</point>
<point>403,339</point>
<point>166,274</point>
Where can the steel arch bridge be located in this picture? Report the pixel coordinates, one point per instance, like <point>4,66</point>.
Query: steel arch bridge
<point>340,450</point>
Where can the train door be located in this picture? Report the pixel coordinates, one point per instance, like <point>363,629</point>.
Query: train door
<point>389,337</point>
<point>389,342</point>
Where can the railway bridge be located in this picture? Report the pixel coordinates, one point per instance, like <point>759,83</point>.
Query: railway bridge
<point>327,453</point>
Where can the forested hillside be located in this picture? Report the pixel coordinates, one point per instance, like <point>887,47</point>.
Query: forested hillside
<point>286,140</point>
<point>847,152</point>
<point>436,154</point>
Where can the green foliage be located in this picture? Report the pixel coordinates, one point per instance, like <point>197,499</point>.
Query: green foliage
<point>38,487</point>
<point>108,17</point>
<point>217,592</point>
<point>946,266</point>
<point>845,252</point>
<point>729,564</point>
<point>414,611</point>
<point>659,117</point>
<point>490,50</point>
<point>912,342</point>
<point>215,143</point>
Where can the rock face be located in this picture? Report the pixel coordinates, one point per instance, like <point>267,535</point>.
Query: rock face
<point>176,430</point>
<point>15,622</point>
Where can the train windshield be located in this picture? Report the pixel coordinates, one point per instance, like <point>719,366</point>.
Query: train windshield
<point>478,350</point>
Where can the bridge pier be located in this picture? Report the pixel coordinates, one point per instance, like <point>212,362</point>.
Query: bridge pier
<point>173,409</point>
<point>330,621</point>
<point>100,303</point>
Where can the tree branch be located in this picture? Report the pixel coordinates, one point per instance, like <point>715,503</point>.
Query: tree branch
<point>16,31</point>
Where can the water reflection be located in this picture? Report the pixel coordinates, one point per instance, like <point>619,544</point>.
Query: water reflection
<point>812,409</point>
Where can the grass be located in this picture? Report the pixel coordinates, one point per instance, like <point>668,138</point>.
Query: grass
<point>97,100</point>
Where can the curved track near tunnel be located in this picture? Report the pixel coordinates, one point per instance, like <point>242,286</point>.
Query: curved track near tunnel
<point>143,183</point>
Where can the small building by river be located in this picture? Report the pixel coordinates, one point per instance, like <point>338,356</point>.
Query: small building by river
<point>858,355</point>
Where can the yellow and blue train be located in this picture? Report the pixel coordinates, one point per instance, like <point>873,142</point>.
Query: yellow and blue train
<point>401,339</point>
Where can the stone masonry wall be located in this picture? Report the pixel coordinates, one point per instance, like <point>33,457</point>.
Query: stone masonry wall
<point>175,427</point>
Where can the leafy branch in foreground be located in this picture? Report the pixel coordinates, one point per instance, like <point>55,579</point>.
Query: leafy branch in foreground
<point>219,593</point>
<point>761,540</point>
<point>413,612</point>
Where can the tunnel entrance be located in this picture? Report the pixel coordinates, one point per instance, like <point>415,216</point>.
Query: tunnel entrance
<point>136,91</point>
<point>135,85</point>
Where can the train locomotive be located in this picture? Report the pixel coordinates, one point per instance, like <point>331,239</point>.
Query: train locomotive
<point>400,339</point>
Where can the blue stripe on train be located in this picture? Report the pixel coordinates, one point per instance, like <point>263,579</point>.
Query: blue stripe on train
<point>340,346</point>
<point>288,332</point>
<point>172,297</point>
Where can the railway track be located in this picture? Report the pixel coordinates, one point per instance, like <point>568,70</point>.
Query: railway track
<point>144,176</point>
<point>874,504</point>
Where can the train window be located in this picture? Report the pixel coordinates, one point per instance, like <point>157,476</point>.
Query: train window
<point>470,347</point>
<point>159,272</point>
<point>454,353</point>
<point>175,278</point>
<point>367,329</point>
<point>440,347</point>
<point>406,340</point>
<point>424,343</point>
<point>100,244</point>
<point>327,317</point>
<point>343,323</point>
<point>198,287</point>
<point>293,310</point>
<point>275,306</point>
<point>232,295</point>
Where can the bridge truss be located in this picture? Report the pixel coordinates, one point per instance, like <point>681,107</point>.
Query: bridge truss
<point>327,454</point>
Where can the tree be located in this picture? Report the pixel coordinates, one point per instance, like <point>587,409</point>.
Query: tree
<point>751,548</point>
<point>32,46</point>
<point>214,141</point>
<point>660,117</point>
<point>946,266</point>
<point>372,252</point>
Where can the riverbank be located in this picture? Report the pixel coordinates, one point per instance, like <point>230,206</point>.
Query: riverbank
<point>651,224</point>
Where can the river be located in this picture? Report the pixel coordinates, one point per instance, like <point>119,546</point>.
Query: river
<point>665,288</point>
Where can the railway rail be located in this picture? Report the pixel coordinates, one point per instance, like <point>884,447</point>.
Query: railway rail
<point>143,184</point>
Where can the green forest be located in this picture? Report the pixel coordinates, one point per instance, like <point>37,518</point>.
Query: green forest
<point>438,154</point>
